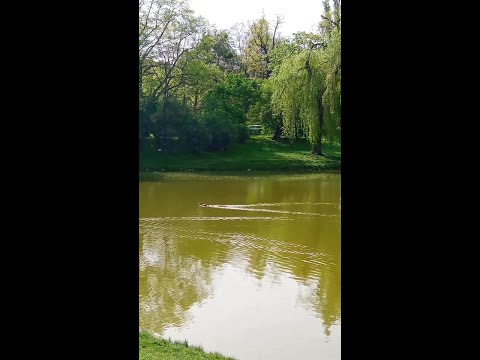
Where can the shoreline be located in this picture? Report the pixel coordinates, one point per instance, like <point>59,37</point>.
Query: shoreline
<point>153,347</point>
<point>258,154</point>
<point>293,171</point>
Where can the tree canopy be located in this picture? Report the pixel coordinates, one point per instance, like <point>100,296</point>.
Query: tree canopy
<point>200,86</point>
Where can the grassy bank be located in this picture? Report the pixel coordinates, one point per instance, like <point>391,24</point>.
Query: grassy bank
<point>258,153</point>
<point>152,348</point>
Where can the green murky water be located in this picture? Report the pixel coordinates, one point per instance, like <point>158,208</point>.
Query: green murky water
<point>256,275</point>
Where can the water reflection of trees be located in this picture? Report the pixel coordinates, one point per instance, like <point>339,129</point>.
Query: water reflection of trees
<point>328,298</point>
<point>316,260</point>
<point>178,259</point>
<point>171,281</point>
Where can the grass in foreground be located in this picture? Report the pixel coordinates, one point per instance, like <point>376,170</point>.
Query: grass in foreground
<point>152,348</point>
<point>258,153</point>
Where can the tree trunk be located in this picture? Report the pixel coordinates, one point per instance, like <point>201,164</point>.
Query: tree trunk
<point>195,103</point>
<point>158,142</point>
<point>317,149</point>
<point>278,133</point>
<point>140,80</point>
<point>165,100</point>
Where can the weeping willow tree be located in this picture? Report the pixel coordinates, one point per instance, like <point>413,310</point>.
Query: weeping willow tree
<point>331,98</point>
<point>307,86</point>
<point>330,31</point>
<point>299,86</point>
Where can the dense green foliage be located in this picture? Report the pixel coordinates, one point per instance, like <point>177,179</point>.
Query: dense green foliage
<point>200,87</point>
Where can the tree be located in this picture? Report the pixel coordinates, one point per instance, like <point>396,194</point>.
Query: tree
<point>168,31</point>
<point>307,82</point>
<point>297,95</point>
<point>331,98</point>
<point>223,53</point>
<point>238,35</point>
<point>260,42</point>
<point>199,77</point>
<point>301,41</point>
<point>234,96</point>
<point>155,17</point>
<point>198,82</point>
<point>262,112</point>
<point>220,129</point>
<point>330,28</point>
<point>206,67</point>
<point>330,21</point>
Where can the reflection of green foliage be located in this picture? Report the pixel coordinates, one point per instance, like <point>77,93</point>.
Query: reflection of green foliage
<point>328,299</point>
<point>170,285</point>
<point>179,258</point>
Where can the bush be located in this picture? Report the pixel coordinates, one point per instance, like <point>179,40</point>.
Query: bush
<point>194,136</point>
<point>221,132</point>
<point>168,125</point>
<point>242,133</point>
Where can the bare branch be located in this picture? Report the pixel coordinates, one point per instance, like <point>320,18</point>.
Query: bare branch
<point>333,22</point>
<point>147,52</point>
<point>278,22</point>
<point>316,45</point>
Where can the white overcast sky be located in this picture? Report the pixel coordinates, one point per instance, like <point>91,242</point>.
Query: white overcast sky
<point>298,15</point>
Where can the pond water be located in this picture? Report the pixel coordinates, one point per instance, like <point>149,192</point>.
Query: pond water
<point>255,275</point>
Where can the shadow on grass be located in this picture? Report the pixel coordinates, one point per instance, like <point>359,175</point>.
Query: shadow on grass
<point>258,153</point>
